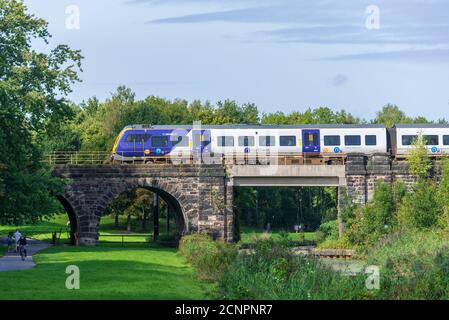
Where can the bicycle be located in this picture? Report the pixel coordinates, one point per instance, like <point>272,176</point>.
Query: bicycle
<point>22,252</point>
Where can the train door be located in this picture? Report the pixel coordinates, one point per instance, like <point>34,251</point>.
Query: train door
<point>196,142</point>
<point>206,142</point>
<point>201,141</point>
<point>311,141</point>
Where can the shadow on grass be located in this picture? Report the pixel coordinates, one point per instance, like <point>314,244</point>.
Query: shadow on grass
<point>106,273</point>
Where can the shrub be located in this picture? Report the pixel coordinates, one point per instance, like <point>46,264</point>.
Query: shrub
<point>442,195</point>
<point>209,258</point>
<point>327,231</point>
<point>340,243</point>
<point>272,272</point>
<point>418,158</point>
<point>378,217</point>
<point>413,264</point>
<point>420,208</point>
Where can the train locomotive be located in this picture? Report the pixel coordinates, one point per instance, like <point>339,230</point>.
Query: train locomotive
<point>147,142</point>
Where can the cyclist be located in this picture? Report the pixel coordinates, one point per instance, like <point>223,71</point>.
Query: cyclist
<point>22,247</point>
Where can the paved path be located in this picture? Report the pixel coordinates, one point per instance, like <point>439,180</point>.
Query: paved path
<point>12,261</point>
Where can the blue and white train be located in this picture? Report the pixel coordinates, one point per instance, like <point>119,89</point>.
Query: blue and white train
<point>146,142</point>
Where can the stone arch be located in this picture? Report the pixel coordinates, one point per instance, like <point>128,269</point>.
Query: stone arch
<point>169,192</point>
<point>73,218</point>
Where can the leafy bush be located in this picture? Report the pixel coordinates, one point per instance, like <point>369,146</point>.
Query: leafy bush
<point>270,271</point>
<point>209,258</point>
<point>340,243</point>
<point>418,158</point>
<point>420,208</point>
<point>414,265</point>
<point>379,216</point>
<point>327,231</point>
<point>442,195</point>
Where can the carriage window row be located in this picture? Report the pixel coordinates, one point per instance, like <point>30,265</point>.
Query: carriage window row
<point>430,140</point>
<point>290,141</point>
<point>156,141</point>
<point>249,141</point>
<point>350,140</point>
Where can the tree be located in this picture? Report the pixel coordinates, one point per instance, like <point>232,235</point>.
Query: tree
<point>420,208</point>
<point>418,158</point>
<point>33,86</point>
<point>390,115</point>
<point>443,193</point>
<point>119,205</point>
<point>143,204</point>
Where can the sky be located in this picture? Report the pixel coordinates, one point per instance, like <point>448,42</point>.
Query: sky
<point>282,55</point>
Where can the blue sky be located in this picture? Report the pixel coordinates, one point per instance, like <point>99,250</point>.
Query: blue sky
<point>284,55</point>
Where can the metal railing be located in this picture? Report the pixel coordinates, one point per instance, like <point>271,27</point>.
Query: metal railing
<point>101,157</point>
<point>125,238</point>
<point>77,157</point>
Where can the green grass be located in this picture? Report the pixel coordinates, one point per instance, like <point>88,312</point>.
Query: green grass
<point>58,223</point>
<point>248,235</point>
<point>106,272</point>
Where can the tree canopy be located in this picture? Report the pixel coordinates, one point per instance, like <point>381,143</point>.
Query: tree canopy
<point>33,86</point>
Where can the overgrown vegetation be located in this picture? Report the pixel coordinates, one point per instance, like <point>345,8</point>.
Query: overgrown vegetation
<point>211,259</point>
<point>414,264</point>
<point>270,270</point>
<point>395,207</point>
<point>404,230</point>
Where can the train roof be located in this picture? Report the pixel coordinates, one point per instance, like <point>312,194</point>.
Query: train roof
<point>260,126</point>
<point>421,126</point>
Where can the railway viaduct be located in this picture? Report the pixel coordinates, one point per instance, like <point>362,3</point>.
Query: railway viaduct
<point>201,196</point>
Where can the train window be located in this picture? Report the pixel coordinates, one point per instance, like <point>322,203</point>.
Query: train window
<point>267,141</point>
<point>246,141</point>
<point>225,141</point>
<point>370,140</point>
<point>353,140</point>
<point>180,141</point>
<point>407,140</point>
<point>431,140</point>
<point>159,141</point>
<point>446,140</point>
<point>331,140</point>
<point>137,137</point>
<point>287,141</point>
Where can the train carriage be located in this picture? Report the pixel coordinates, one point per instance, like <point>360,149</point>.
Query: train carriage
<point>436,137</point>
<point>146,142</point>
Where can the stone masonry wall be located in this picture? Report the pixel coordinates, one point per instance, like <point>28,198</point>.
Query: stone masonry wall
<point>198,194</point>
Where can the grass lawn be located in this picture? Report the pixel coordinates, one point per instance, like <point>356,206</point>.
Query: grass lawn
<point>106,272</point>
<point>248,235</point>
<point>58,223</point>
